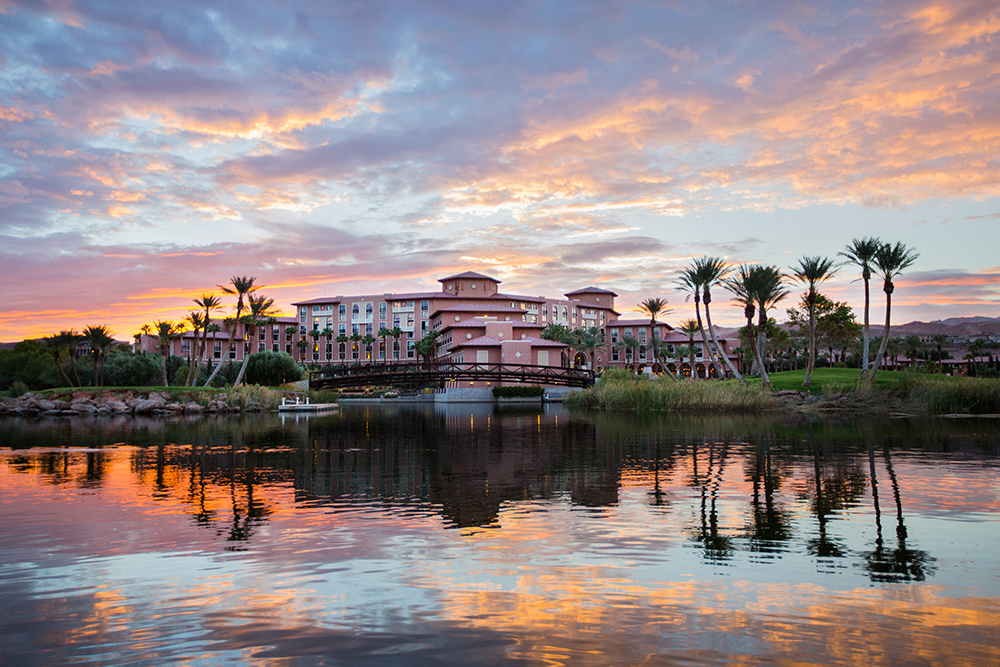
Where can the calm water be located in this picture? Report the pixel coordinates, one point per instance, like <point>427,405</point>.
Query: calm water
<point>468,536</point>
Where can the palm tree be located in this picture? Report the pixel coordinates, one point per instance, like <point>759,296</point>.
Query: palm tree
<point>631,344</point>
<point>757,288</point>
<point>653,307</point>
<point>690,327</point>
<point>342,339</point>
<point>890,262</point>
<point>209,302</point>
<point>261,311</point>
<point>913,346</point>
<point>241,288</point>
<point>355,342</point>
<point>861,253</point>
<point>197,321</point>
<point>383,334</point>
<point>713,271</point>
<point>691,281</point>
<point>939,341</point>
<point>590,341</point>
<point>165,333</point>
<point>369,340</point>
<point>61,342</point>
<point>396,333</point>
<point>100,338</point>
<point>811,272</point>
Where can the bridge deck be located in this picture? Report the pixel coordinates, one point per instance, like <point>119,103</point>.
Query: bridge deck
<point>418,374</point>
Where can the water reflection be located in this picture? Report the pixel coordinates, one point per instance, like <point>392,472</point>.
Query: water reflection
<point>427,533</point>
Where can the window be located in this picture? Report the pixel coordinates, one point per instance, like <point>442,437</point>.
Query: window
<point>343,312</point>
<point>288,348</point>
<point>302,314</point>
<point>614,354</point>
<point>185,346</point>
<point>262,334</point>
<point>274,347</point>
<point>276,334</point>
<point>368,328</point>
<point>642,335</point>
<point>614,335</point>
<point>302,330</point>
<point>381,310</point>
<point>261,347</point>
<point>368,311</point>
<point>342,330</point>
<point>355,329</point>
<point>355,310</point>
<point>642,353</point>
<point>425,305</point>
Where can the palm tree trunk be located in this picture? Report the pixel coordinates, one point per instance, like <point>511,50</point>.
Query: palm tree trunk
<point>225,357</point>
<point>719,350</point>
<point>865,337</point>
<point>760,347</point>
<point>877,361</point>
<point>705,347</point>
<point>246,355</point>
<point>63,372</point>
<point>811,363</point>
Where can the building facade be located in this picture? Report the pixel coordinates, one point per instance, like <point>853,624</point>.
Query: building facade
<point>475,321</point>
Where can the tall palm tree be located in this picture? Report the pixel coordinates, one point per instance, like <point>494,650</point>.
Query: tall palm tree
<point>197,322</point>
<point>691,281</point>
<point>713,271</point>
<point>811,272</point>
<point>165,333</point>
<point>690,327</point>
<point>757,288</point>
<point>209,302</point>
<point>100,338</point>
<point>61,342</point>
<point>861,253</point>
<point>653,307</point>
<point>890,262</point>
<point>241,288</point>
<point>260,311</point>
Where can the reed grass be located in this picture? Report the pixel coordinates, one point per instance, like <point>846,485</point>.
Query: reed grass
<point>628,393</point>
<point>949,395</point>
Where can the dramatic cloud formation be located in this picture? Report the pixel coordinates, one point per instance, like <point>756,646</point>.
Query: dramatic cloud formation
<point>149,151</point>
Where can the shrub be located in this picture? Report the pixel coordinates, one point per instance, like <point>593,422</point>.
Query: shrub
<point>272,369</point>
<point>518,391</point>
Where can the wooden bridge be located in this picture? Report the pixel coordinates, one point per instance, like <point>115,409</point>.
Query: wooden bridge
<point>422,374</point>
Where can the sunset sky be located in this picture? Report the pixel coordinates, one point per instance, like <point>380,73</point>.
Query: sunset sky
<point>150,151</point>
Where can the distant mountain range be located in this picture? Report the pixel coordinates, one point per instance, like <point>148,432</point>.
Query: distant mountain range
<point>953,326</point>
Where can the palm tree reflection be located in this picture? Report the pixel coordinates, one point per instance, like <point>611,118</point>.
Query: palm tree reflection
<point>717,547</point>
<point>901,564</point>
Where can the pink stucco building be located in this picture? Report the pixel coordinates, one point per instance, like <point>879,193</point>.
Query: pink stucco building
<point>476,322</point>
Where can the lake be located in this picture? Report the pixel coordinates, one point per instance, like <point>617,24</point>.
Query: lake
<point>468,534</point>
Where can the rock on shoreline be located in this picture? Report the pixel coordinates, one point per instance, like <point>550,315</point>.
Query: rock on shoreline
<point>111,402</point>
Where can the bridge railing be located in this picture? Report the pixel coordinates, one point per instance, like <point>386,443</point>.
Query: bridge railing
<point>437,371</point>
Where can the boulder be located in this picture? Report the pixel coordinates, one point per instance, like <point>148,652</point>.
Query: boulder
<point>193,408</point>
<point>83,407</point>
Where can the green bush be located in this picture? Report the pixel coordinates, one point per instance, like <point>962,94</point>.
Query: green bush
<point>272,369</point>
<point>518,391</point>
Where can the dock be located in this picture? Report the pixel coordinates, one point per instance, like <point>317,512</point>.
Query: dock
<point>299,406</point>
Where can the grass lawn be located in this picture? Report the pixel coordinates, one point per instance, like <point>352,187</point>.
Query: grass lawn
<point>828,379</point>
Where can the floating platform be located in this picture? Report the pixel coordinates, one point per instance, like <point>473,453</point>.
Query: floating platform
<point>307,407</point>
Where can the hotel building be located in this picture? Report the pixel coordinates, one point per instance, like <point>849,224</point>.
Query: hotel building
<point>476,322</point>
